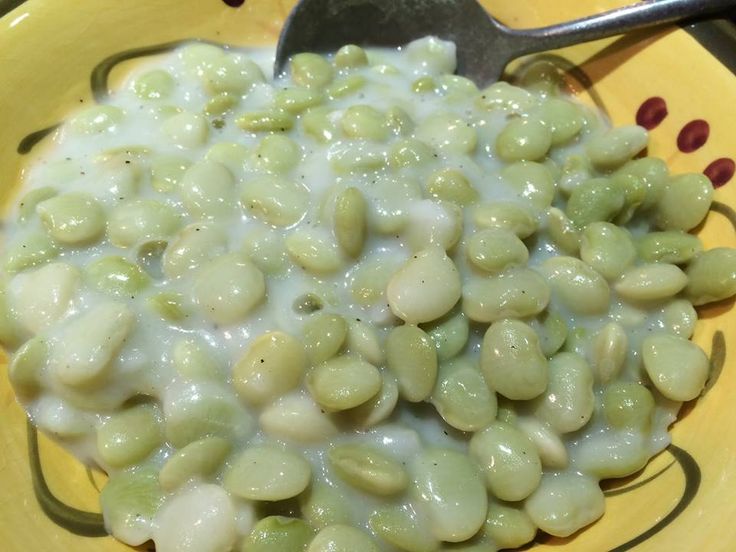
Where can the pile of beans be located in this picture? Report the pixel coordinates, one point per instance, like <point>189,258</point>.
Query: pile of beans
<point>365,306</point>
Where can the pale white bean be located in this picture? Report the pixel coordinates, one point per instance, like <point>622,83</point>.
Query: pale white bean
<point>296,417</point>
<point>139,220</point>
<point>451,489</point>
<point>568,401</point>
<point>208,190</point>
<point>411,356</point>
<point>193,246</point>
<point>651,282</point>
<point>404,528</point>
<point>608,351</point>
<point>512,361</point>
<point>43,296</point>
<point>362,339</point>
<point>314,250</point>
<point>273,364</point>
<point>425,287</point>
<point>516,293</point>
<point>342,538</point>
<point>462,397</point>
<point>201,519</point>
<point>275,200</point>
<point>615,454</point>
<point>677,367</point>
<point>509,526</point>
<point>564,503</point>
<point>576,285</point>
<point>343,382</point>
<point>380,407</point>
<point>266,472</point>
<point>228,288</point>
<point>82,356</point>
<point>187,130</point>
<point>509,461</point>
<point>550,447</point>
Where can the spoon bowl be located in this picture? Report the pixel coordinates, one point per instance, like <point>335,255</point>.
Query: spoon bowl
<point>484,45</point>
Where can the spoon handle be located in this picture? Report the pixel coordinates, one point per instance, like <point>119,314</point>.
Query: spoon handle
<point>619,21</point>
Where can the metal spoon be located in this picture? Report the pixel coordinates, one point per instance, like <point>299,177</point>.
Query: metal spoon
<point>484,46</point>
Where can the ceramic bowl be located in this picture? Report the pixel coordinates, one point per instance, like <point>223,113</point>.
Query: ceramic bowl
<point>670,81</point>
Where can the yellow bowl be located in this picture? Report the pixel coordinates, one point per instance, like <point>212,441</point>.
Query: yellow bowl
<point>682,501</point>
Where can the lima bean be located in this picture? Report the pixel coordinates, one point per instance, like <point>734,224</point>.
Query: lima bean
<point>380,407</point>
<point>577,286</point>
<point>322,505</point>
<point>350,221</point>
<point>40,297</point>
<point>201,457</point>
<point>495,249</point>
<point>265,472</point>
<point>30,250</point>
<point>608,352</point>
<point>296,417</point>
<point>278,534</point>
<point>450,334</point>
<point>509,462</point>
<point>314,250</point>
<point>563,118</point>
<point>343,382</point>
<point>508,526</point>
<point>512,361</point>
<point>615,147</point>
<point>368,469</point>
<point>512,216</point>
<point>451,490</point>
<point>207,189</point>
<point>342,538</point>
<point>711,276</point>
<point>187,130</point>
<point>25,368</point>
<point>130,501</point>
<point>562,231</point>
<point>462,397</point>
<point>273,365</point>
<point>628,405</point>
<point>651,282</point>
<point>516,293</point>
<point>202,409</point>
<point>129,436</point>
<point>568,401</point>
<point>564,503</point>
<point>685,202</point>
<point>73,218</point>
<point>595,199</point>
<point>448,133</point>
<point>350,56</point>
<point>653,173</point>
<point>673,246</point>
<point>82,355</point>
<point>614,454</point>
<point>523,140</point>
<point>530,182</point>
<point>426,287</point>
<point>403,528</point>
<point>228,288</point>
<point>607,248</point>
<point>412,357</point>
<point>451,185</point>
<point>677,367</point>
<point>324,336</point>
<point>311,70</point>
